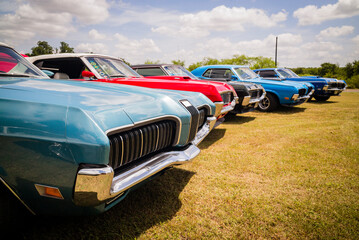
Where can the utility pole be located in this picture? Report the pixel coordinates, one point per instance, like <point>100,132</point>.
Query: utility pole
<point>276,47</point>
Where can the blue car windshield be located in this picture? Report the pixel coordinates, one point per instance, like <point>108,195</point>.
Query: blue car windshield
<point>245,73</point>
<point>111,67</point>
<point>287,73</point>
<point>13,64</point>
<point>178,71</point>
<point>292,73</point>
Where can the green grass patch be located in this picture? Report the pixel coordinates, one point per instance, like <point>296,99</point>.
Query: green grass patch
<point>290,174</point>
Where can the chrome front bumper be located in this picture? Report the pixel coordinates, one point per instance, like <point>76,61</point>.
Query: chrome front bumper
<point>247,99</point>
<point>204,131</point>
<point>221,110</point>
<point>98,185</point>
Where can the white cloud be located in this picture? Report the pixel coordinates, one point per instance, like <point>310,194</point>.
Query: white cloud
<point>311,14</point>
<point>24,24</point>
<point>222,18</point>
<point>92,47</point>
<point>87,11</point>
<point>132,49</point>
<point>53,18</point>
<point>94,34</point>
<point>356,39</point>
<point>333,32</point>
<point>200,24</point>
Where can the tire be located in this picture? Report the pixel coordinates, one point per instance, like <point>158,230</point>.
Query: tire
<point>269,103</point>
<point>321,98</point>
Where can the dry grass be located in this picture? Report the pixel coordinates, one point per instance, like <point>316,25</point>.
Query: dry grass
<point>292,174</point>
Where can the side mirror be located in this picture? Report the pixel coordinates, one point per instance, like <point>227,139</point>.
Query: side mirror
<point>48,73</point>
<point>276,75</point>
<point>87,74</point>
<point>234,77</point>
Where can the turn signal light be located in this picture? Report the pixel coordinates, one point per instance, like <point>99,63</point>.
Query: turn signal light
<point>47,191</point>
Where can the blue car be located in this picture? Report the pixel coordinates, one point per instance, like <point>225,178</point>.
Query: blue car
<point>324,87</point>
<point>76,148</point>
<point>285,93</point>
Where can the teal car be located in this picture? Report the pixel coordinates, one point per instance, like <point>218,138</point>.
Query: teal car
<point>278,93</point>
<point>78,148</point>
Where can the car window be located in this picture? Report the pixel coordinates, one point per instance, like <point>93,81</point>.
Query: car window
<point>245,73</point>
<point>155,71</point>
<point>218,73</point>
<point>284,73</point>
<point>110,67</point>
<point>72,67</point>
<point>177,70</point>
<point>267,73</point>
<point>13,64</point>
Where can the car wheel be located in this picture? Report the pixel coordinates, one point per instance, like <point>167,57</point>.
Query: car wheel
<point>268,103</point>
<point>321,98</point>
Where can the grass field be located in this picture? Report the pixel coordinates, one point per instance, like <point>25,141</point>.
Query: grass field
<point>291,174</point>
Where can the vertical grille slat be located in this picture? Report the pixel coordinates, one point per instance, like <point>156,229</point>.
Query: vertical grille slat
<point>131,145</point>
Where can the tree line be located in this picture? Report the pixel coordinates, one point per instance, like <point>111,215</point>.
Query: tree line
<point>349,73</point>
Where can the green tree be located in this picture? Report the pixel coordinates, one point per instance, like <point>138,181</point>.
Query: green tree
<point>42,47</point>
<point>178,62</point>
<point>65,48</point>
<point>262,62</point>
<point>152,62</point>
<point>328,69</point>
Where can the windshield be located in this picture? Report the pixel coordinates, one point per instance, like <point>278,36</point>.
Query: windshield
<point>111,68</point>
<point>13,64</point>
<point>293,74</point>
<point>179,71</point>
<point>284,73</point>
<point>245,73</point>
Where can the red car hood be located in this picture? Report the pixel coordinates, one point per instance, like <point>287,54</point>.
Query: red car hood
<point>211,89</point>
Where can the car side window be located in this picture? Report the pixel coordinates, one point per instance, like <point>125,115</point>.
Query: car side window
<point>150,72</point>
<point>268,73</point>
<point>218,73</point>
<point>63,68</point>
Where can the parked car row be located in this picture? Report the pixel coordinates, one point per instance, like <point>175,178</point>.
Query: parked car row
<point>78,132</point>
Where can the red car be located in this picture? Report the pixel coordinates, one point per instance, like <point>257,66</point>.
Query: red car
<point>102,68</point>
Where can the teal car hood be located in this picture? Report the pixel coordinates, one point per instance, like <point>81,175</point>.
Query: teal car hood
<point>126,104</point>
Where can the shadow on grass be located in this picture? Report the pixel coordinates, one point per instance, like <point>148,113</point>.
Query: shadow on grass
<point>151,204</point>
<point>321,102</point>
<point>231,118</point>
<point>212,137</point>
<point>289,110</point>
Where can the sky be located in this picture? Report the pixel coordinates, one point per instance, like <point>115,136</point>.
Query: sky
<point>309,32</point>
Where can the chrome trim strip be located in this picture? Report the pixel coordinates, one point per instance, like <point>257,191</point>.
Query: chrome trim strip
<point>17,196</point>
<point>158,136</point>
<point>141,142</point>
<point>96,185</point>
<point>122,146</point>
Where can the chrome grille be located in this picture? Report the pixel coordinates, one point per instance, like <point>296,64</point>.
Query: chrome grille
<point>227,97</point>
<point>202,117</point>
<point>255,94</point>
<point>129,146</point>
<point>302,92</point>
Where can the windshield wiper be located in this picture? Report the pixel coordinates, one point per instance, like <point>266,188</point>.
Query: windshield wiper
<point>14,75</point>
<point>118,75</point>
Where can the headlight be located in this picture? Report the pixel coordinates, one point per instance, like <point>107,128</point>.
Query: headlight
<point>295,97</point>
